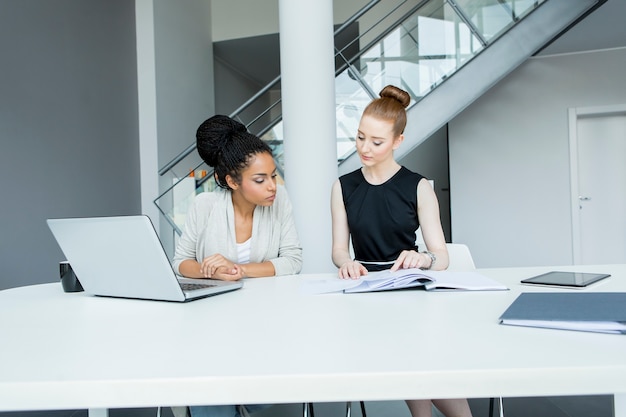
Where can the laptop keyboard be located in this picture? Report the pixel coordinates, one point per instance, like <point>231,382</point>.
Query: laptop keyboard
<point>186,286</point>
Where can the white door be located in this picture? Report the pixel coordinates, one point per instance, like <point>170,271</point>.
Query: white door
<point>600,198</point>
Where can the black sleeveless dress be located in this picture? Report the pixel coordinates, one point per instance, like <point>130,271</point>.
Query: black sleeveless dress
<point>382,218</point>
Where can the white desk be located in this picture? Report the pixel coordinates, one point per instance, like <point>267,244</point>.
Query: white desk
<point>269,343</point>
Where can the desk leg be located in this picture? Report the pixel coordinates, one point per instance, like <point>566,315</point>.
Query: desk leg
<point>98,412</point>
<point>619,405</point>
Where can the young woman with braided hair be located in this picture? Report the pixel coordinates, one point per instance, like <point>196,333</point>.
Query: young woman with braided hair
<point>245,228</point>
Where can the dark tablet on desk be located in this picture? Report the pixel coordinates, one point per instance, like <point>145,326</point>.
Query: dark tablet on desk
<point>565,279</point>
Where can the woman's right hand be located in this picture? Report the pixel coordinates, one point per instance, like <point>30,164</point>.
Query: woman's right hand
<point>225,274</point>
<point>352,270</point>
<point>218,267</point>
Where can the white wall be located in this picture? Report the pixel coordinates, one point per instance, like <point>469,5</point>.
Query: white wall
<point>509,158</point>
<point>430,159</point>
<point>68,125</point>
<point>183,83</point>
<point>184,72</point>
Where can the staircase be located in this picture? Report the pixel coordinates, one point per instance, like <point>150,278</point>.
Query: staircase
<point>445,53</point>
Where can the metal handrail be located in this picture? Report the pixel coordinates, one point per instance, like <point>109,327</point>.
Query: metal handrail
<point>356,16</point>
<point>391,28</point>
<point>468,22</point>
<point>192,147</point>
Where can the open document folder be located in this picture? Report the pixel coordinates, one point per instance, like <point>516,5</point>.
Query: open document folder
<point>403,279</point>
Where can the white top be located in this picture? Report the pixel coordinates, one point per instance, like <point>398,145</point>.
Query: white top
<point>243,252</point>
<point>70,351</point>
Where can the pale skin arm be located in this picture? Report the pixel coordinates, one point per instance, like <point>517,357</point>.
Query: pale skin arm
<point>430,222</point>
<point>218,267</point>
<point>348,268</point>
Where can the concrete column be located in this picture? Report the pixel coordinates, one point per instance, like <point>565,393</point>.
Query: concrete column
<point>309,127</point>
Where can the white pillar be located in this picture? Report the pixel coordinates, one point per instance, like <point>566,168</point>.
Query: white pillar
<point>309,127</point>
<point>146,95</point>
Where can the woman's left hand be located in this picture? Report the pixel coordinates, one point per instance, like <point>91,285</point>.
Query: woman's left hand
<point>229,274</point>
<point>218,267</point>
<point>411,259</point>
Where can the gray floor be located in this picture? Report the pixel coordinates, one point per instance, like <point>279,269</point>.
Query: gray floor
<point>585,406</point>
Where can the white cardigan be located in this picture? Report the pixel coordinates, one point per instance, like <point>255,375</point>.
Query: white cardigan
<point>210,229</point>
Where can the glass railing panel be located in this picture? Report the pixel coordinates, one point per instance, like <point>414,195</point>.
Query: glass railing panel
<point>176,201</point>
<point>274,137</point>
<point>385,14</point>
<point>179,174</point>
<point>351,99</point>
<point>422,51</point>
<point>262,111</point>
<point>490,17</point>
<point>494,17</point>
<point>266,123</point>
<point>520,8</point>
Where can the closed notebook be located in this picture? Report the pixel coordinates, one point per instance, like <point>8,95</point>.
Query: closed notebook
<point>603,312</point>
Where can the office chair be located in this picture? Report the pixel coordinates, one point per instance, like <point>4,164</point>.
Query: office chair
<point>307,410</point>
<point>460,257</point>
<point>349,409</point>
<point>492,406</point>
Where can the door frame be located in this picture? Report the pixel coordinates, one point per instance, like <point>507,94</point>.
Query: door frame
<point>574,114</point>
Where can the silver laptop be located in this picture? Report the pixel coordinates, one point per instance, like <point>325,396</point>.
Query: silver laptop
<point>122,256</point>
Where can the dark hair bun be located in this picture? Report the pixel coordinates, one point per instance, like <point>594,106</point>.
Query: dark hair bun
<point>214,135</point>
<point>391,91</point>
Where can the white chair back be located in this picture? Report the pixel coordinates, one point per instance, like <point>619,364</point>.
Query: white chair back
<point>460,257</point>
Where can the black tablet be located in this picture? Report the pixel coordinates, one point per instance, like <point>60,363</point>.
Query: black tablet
<point>565,279</point>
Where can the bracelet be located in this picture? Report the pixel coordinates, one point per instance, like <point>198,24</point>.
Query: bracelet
<point>432,257</point>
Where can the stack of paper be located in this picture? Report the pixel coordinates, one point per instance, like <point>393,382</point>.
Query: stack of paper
<point>407,278</point>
